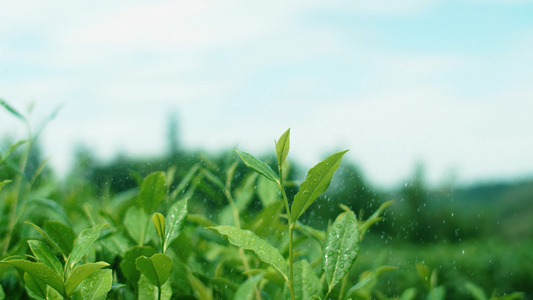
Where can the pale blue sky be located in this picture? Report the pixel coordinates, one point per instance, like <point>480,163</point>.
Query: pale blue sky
<point>445,83</point>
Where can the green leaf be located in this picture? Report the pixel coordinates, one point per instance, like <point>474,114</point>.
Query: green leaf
<point>175,220</point>
<point>248,240</point>
<point>282,147</point>
<point>364,226</point>
<point>2,183</point>
<point>340,248</point>
<point>80,273</point>
<point>246,290</point>
<point>153,191</point>
<point>258,166</point>
<point>11,110</point>
<point>136,220</point>
<point>156,268</point>
<point>159,223</point>
<point>306,282</point>
<point>317,182</point>
<point>97,285</point>
<point>83,243</point>
<point>127,265</point>
<point>438,293</point>
<point>424,272</point>
<point>45,255</point>
<point>48,239</point>
<point>117,243</point>
<point>268,192</point>
<point>476,292</point>
<point>408,294</point>
<point>35,285</point>
<point>148,292</point>
<point>39,271</point>
<point>61,234</point>
<point>365,285</point>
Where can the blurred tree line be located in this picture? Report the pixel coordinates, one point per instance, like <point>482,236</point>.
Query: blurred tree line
<point>421,214</point>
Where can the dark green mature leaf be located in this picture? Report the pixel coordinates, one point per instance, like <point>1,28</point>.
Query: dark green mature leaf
<point>48,239</point>
<point>62,234</point>
<point>39,271</point>
<point>156,268</point>
<point>306,282</point>
<point>248,240</point>
<point>96,285</point>
<point>83,243</point>
<point>177,214</point>
<point>153,191</point>
<point>80,273</point>
<point>128,266</point>
<point>317,181</point>
<point>246,290</point>
<point>45,255</point>
<point>258,166</point>
<point>282,147</point>
<point>340,248</point>
<point>35,285</point>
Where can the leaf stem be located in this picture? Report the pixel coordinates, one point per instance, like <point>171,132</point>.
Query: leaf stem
<point>291,227</point>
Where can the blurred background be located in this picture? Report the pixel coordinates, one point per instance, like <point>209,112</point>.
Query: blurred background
<point>433,99</point>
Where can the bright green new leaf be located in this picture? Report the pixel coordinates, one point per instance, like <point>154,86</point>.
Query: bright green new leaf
<point>83,244</point>
<point>268,192</point>
<point>306,282</point>
<point>159,223</point>
<point>62,234</point>
<point>127,265</point>
<point>39,271</point>
<point>153,191</point>
<point>477,292</point>
<point>317,181</point>
<point>156,268</point>
<point>258,166</point>
<point>97,285</point>
<point>135,221</point>
<point>45,255</point>
<point>2,183</point>
<point>340,248</point>
<point>175,220</point>
<point>248,240</point>
<point>35,285</point>
<point>282,147</point>
<point>246,290</point>
<point>80,273</point>
<point>148,292</point>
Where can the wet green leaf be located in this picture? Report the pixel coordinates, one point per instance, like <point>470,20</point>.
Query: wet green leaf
<point>368,281</point>
<point>246,290</point>
<point>35,285</point>
<point>128,266</point>
<point>62,234</point>
<point>248,240</point>
<point>176,216</point>
<point>340,248</point>
<point>306,282</point>
<point>39,271</point>
<point>282,147</point>
<point>317,181</point>
<point>80,273</point>
<point>45,255</point>
<point>97,285</point>
<point>258,166</point>
<point>48,239</point>
<point>83,243</point>
<point>153,191</point>
<point>156,268</point>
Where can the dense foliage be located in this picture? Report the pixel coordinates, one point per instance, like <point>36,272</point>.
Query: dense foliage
<point>189,226</point>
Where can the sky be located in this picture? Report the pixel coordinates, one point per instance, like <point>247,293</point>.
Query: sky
<point>445,84</point>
